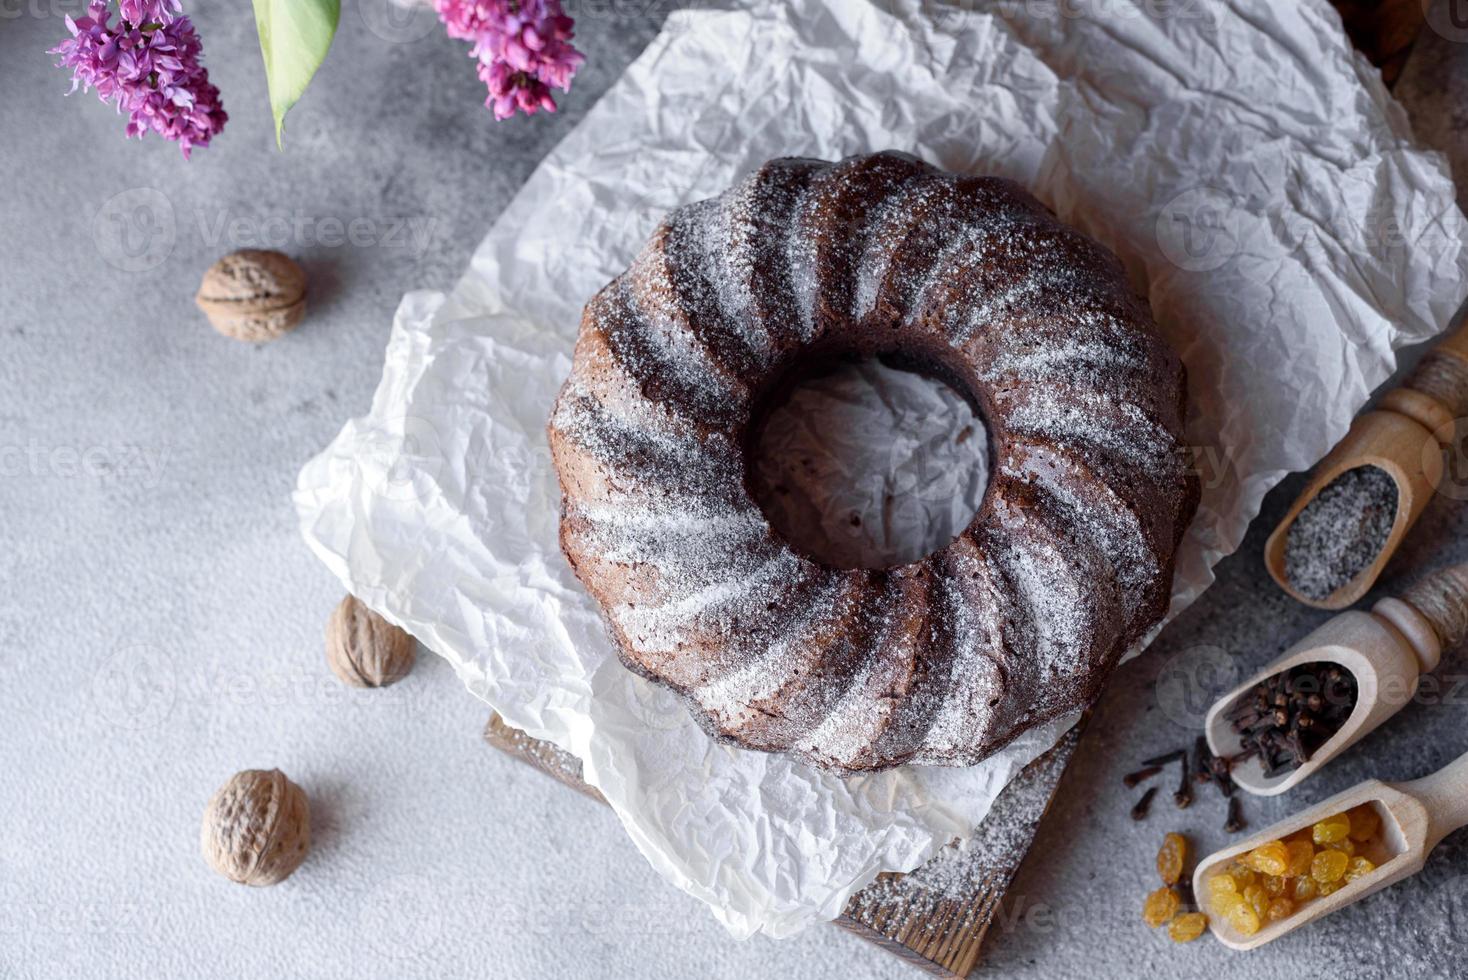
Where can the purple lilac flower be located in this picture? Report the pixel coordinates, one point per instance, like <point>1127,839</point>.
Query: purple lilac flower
<point>147,65</point>
<point>523,47</point>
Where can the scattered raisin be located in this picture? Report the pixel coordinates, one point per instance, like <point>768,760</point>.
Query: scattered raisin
<point>1160,907</point>
<point>1187,927</point>
<point>1171,858</point>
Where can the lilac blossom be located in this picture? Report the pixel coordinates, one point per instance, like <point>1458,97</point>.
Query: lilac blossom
<point>523,47</point>
<point>148,66</point>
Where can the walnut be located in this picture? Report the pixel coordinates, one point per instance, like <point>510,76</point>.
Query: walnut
<point>364,649</point>
<point>253,295</point>
<point>257,828</point>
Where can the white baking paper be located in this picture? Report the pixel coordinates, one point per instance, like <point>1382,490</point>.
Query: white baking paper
<point>1247,165</point>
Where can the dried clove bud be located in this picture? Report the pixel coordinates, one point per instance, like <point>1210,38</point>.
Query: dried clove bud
<point>1184,795</point>
<point>1235,821</point>
<point>1131,779</point>
<point>1139,812</point>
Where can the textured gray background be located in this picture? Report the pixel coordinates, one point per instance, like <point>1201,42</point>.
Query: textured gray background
<point>147,546</point>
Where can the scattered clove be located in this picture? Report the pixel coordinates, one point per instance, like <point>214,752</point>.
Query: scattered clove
<point>1144,805</point>
<point>1131,779</point>
<point>1184,795</point>
<point>1235,821</point>
<point>1203,760</point>
<point>1166,759</point>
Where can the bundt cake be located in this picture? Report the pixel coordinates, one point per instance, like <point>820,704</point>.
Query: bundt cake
<point>941,661</point>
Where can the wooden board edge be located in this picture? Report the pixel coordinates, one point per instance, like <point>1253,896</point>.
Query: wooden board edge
<point>945,943</point>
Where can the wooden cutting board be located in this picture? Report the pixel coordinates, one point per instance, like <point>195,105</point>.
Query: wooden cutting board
<point>938,916</point>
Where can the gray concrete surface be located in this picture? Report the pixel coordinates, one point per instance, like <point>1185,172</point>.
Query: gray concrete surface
<point>147,548</point>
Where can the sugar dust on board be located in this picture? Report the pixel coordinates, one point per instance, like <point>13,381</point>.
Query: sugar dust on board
<point>1339,533</point>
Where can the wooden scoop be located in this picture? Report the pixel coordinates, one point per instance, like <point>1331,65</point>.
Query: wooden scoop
<point>1403,437</point>
<point>1387,650</point>
<point>1415,817</point>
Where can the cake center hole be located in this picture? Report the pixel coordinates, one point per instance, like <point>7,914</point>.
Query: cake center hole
<point>865,465</point>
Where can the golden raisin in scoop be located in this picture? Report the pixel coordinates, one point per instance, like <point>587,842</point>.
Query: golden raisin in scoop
<point>1187,927</point>
<point>1272,858</point>
<point>1160,906</point>
<point>1222,884</point>
<point>1274,885</point>
<point>1171,858</point>
<point>1243,918</point>
<point>1365,821</point>
<point>1359,867</point>
<point>1332,829</point>
<point>1280,909</point>
<point>1243,874</point>
<point>1302,852</point>
<point>1258,899</point>
<point>1329,866</point>
<point>1306,888</point>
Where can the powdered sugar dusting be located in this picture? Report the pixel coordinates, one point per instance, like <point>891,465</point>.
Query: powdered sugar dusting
<point>1008,625</point>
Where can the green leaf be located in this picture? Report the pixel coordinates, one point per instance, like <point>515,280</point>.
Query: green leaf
<point>294,38</point>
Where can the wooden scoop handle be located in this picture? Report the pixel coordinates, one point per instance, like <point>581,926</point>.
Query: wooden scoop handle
<point>1442,374</point>
<point>1441,597</point>
<point>1444,794</point>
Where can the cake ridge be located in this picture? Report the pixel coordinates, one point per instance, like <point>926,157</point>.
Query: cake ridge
<point>940,661</point>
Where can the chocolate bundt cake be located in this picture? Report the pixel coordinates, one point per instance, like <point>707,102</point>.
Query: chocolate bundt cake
<point>941,661</point>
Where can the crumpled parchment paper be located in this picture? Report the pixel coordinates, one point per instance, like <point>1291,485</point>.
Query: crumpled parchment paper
<point>1249,168</point>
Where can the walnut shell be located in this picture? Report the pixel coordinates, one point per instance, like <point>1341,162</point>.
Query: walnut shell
<point>364,649</point>
<point>257,828</point>
<point>253,295</point>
